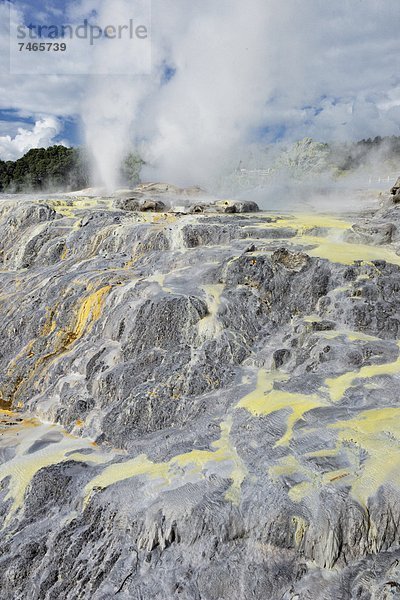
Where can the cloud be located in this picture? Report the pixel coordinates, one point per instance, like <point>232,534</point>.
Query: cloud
<point>239,74</point>
<point>291,69</point>
<point>31,95</point>
<point>203,114</point>
<point>111,104</point>
<point>42,135</point>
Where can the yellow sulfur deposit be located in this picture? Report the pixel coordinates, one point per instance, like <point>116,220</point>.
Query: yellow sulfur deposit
<point>196,460</point>
<point>306,222</point>
<point>50,325</point>
<point>264,400</point>
<point>140,465</point>
<point>377,432</point>
<point>330,246</point>
<point>336,250</point>
<point>70,207</point>
<point>352,336</point>
<point>301,529</point>
<point>24,465</point>
<point>90,311</point>
<point>371,444</point>
<point>337,386</point>
<point>289,466</point>
<point>312,319</point>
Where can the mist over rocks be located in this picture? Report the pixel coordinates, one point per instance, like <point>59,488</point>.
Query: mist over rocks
<point>199,405</point>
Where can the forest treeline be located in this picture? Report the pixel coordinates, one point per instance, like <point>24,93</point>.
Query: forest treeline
<point>57,169</point>
<point>54,168</point>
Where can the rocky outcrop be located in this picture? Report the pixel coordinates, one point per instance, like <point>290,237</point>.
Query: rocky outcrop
<point>201,405</point>
<point>228,206</point>
<point>396,188</point>
<point>140,204</point>
<point>166,198</point>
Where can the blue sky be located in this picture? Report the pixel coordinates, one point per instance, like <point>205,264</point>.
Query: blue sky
<point>16,115</point>
<point>46,12</point>
<point>51,12</point>
<point>11,120</point>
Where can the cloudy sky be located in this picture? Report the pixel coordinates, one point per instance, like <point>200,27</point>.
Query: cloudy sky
<point>224,73</point>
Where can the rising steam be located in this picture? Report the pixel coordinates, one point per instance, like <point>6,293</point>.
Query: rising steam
<point>226,75</point>
<point>204,95</point>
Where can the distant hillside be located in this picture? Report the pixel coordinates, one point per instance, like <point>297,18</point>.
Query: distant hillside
<point>310,157</point>
<point>54,168</point>
<point>58,169</point>
<point>385,150</point>
<point>277,166</point>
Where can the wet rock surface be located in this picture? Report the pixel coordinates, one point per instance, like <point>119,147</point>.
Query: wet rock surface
<point>198,404</point>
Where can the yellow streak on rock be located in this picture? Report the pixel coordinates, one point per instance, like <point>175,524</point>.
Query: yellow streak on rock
<point>338,251</point>
<point>301,529</point>
<point>371,443</point>
<point>352,336</point>
<point>5,412</point>
<point>70,207</point>
<point>376,431</point>
<point>312,319</point>
<point>167,472</point>
<point>289,466</point>
<point>26,351</point>
<point>90,311</point>
<point>332,247</point>
<point>50,324</point>
<point>339,385</point>
<point>306,222</point>
<point>64,253</point>
<point>164,218</point>
<point>22,468</point>
<point>224,452</point>
<point>11,421</point>
<point>265,400</point>
<point>140,465</point>
<point>300,491</point>
<point>255,401</point>
<point>22,472</point>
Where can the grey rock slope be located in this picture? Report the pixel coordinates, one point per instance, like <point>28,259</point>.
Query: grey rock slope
<point>198,406</point>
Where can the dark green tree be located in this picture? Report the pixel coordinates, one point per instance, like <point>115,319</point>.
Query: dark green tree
<point>52,169</point>
<point>131,169</point>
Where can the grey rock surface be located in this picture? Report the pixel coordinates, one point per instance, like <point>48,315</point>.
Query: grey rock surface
<point>198,406</point>
<point>394,190</point>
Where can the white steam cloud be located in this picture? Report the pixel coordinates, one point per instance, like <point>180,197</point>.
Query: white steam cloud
<point>111,105</point>
<point>191,123</point>
<point>226,74</point>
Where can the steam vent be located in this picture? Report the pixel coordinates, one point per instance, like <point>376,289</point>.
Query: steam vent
<point>199,400</point>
